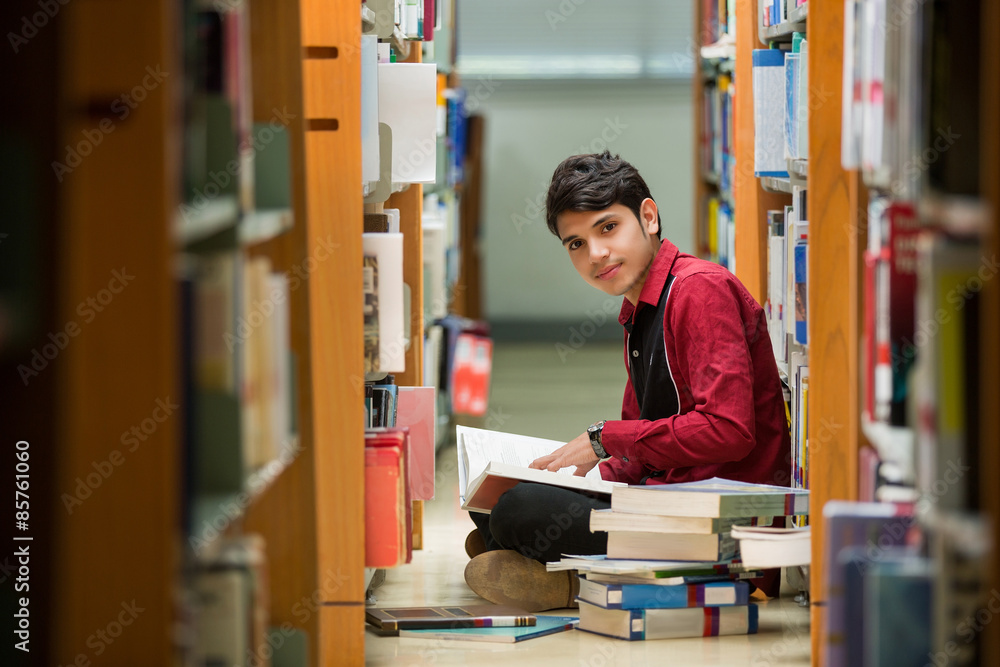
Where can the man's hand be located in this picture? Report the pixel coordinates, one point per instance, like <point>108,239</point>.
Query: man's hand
<point>577,452</point>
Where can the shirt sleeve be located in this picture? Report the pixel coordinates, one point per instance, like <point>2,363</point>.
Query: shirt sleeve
<point>714,377</point>
<point>615,469</point>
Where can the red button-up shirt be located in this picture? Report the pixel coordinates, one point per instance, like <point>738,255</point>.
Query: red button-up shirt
<point>731,419</point>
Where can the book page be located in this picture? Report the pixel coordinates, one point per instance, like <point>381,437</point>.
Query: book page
<point>477,447</point>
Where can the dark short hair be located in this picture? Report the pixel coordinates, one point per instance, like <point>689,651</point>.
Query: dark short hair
<point>593,183</point>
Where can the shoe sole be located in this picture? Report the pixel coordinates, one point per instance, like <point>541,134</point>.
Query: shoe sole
<point>508,578</point>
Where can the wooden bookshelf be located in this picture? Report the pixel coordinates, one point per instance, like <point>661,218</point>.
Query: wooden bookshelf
<point>305,56</point>
<point>115,213</point>
<point>837,221</point>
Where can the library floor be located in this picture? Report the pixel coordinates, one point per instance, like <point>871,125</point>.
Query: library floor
<point>535,391</point>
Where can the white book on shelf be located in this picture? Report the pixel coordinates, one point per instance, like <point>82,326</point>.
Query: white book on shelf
<point>770,547</point>
<point>768,112</point>
<point>369,109</point>
<point>407,102</point>
<point>387,248</point>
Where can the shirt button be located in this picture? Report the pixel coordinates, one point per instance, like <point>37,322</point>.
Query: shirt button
<point>625,459</point>
<point>635,353</point>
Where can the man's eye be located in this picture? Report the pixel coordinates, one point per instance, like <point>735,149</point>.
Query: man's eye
<point>575,244</point>
<point>608,227</point>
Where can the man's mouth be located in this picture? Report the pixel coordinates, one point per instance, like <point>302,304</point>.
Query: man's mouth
<point>609,273</point>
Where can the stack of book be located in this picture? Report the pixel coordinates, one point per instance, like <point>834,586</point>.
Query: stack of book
<point>672,569</point>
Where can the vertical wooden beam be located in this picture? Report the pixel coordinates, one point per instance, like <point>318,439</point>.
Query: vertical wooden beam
<point>833,300</point>
<point>702,32</point>
<point>750,199</point>
<point>115,550</point>
<point>989,395</point>
<point>286,514</point>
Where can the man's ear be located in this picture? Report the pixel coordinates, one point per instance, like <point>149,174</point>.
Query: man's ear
<point>650,220</point>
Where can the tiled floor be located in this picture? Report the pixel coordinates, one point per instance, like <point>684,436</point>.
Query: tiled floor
<point>536,391</point>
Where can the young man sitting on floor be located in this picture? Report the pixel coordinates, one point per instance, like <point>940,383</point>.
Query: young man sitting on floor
<point>703,398</point>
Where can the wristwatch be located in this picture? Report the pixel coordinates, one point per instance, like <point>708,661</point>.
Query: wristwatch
<point>594,431</point>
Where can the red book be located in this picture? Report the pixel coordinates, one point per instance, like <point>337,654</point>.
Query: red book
<point>470,375</point>
<point>388,511</point>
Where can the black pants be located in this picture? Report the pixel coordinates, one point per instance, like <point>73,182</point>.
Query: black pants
<point>542,522</point>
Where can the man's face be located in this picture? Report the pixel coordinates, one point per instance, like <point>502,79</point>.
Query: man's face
<point>611,249</point>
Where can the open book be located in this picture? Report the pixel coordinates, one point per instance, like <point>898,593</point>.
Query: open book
<point>490,462</point>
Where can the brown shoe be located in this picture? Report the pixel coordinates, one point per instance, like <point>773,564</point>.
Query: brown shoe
<point>506,577</point>
<point>474,544</point>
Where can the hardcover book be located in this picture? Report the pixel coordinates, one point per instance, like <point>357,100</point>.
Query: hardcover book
<point>714,497</point>
<point>640,624</point>
<point>652,596</point>
<point>676,546</point>
<point>610,520</point>
<point>490,462</point>
<point>460,616</point>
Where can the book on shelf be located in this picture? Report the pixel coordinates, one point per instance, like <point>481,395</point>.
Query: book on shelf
<point>713,497</point>
<point>472,365</point>
<point>768,112</point>
<point>897,595</point>
<point>387,249</point>
<point>388,532</point>
<point>491,462</point>
<point>232,599</point>
<point>610,520</point>
<point>653,596</point>
<point>394,619</point>
<point>544,626</point>
<point>642,624</point>
<point>670,546</point>
<point>415,411</point>
<point>407,102</point>
<point>769,547</point>
<point>847,525</point>
<point>371,311</point>
<point>947,393</point>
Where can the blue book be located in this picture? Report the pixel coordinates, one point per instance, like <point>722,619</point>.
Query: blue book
<point>801,289</point>
<point>544,625</point>
<point>652,596</point>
